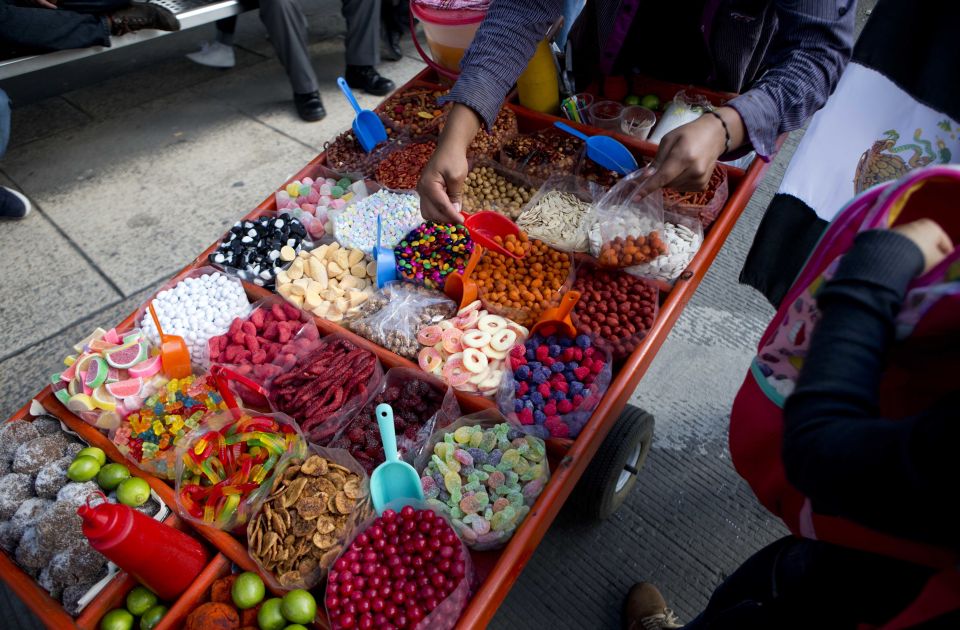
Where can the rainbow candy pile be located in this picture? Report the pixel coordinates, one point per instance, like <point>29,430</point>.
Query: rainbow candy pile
<point>223,468</point>
<point>432,251</point>
<point>148,436</point>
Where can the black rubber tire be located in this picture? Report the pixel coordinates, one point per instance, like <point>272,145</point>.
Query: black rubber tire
<point>596,496</point>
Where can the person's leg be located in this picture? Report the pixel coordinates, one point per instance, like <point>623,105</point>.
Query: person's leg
<point>27,30</point>
<point>394,16</point>
<point>93,7</point>
<point>287,27</point>
<point>13,205</point>
<point>363,47</point>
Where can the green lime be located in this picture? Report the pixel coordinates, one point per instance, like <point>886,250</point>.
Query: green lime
<point>118,619</point>
<point>83,469</point>
<point>94,452</point>
<point>152,617</point>
<point>651,101</point>
<point>248,590</point>
<point>295,626</point>
<point>133,491</point>
<point>633,99</point>
<point>140,600</point>
<point>299,606</point>
<point>269,616</point>
<point>111,475</point>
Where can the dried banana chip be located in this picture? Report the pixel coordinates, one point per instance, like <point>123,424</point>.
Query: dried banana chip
<point>324,541</point>
<point>314,465</point>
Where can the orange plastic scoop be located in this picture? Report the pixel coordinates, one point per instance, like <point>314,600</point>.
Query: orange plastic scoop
<point>460,287</point>
<point>556,320</point>
<point>174,355</point>
<point>485,226</point>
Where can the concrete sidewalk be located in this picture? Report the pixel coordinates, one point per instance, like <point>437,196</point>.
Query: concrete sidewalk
<point>136,160</point>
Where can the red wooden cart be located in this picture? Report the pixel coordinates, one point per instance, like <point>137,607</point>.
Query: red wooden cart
<point>604,458</point>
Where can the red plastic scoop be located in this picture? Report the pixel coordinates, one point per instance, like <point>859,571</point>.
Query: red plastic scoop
<point>485,226</point>
<point>174,355</point>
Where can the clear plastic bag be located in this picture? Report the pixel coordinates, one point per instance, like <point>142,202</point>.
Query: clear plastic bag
<point>683,236</point>
<point>410,308</point>
<point>325,190</point>
<point>683,109</point>
<point>148,437</point>
<point>326,384</point>
<point>447,611</point>
<point>520,459</point>
<point>559,213</point>
<point>492,186</point>
<point>420,402</point>
<point>615,307</point>
<point>345,155</point>
<point>257,260</point>
<point>195,288</point>
<point>320,516</point>
<point>624,229</point>
<point>487,145</point>
<point>531,395</point>
<point>705,205</point>
<point>592,172</point>
<point>226,467</point>
<point>260,346</point>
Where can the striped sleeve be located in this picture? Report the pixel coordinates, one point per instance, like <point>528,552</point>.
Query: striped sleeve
<point>503,45</point>
<point>812,45</point>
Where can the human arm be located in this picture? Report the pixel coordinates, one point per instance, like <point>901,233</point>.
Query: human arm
<point>891,475</point>
<point>500,51</point>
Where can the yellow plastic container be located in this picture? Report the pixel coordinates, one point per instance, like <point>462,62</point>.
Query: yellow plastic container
<point>539,86</point>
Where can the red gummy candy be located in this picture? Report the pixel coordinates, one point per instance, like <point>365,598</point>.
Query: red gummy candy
<point>564,406</point>
<point>516,363</point>
<point>557,428</point>
<point>519,352</point>
<point>569,354</point>
<point>237,338</point>
<point>251,342</point>
<point>522,388</point>
<point>525,416</point>
<point>258,357</point>
<point>544,389</point>
<point>581,372</point>
<point>248,328</point>
<point>257,318</point>
<point>235,325</point>
<point>270,331</point>
<point>577,400</point>
<point>543,352</point>
<point>562,386</point>
<point>279,313</point>
<point>230,355</point>
<point>291,311</point>
<point>597,366</point>
<point>549,361</point>
<point>283,334</point>
<point>577,354</point>
<point>550,409</point>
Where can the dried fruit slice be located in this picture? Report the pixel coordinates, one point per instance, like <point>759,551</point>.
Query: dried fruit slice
<point>127,356</point>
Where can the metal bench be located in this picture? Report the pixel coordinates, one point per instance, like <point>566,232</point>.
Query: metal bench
<point>191,13</point>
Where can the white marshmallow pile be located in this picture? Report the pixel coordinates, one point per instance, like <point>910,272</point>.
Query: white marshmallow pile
<point>197,309</point>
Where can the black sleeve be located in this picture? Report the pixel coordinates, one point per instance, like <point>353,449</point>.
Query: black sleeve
<point>893,476</point>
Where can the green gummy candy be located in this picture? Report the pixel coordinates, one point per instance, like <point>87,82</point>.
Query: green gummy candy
<point>336,192</point>
<point>456,512</point>
<point>510,457</point>
<point>482,497</point>
<point>532,473</point>
<point>503,519</point>
<point>521,467</point>
<point>456,496</point>
<point>488,513</point>
<point>482,475</point>
<point>442,449</point>
<point>473,478</point>
<point>502,490</point>
<point>489,468</point>
<point>512,478</point>
<point>344,182</point>
<point>515,498</point>
<point>448,438</point>
<point>488,441</point>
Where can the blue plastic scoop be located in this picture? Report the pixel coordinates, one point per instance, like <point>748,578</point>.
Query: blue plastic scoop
<point>605,151</point>
<point>367,126</point>
<point>386,260</point>
<point>394,483</point>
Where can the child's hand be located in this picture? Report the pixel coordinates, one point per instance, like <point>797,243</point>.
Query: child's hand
<point>933,242</point>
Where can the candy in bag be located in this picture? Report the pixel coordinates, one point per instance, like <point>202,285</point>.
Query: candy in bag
<point>408,309</point>
<point>626,229</point>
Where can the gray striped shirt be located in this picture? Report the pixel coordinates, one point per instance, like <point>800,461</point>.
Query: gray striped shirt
<point>783,56</point>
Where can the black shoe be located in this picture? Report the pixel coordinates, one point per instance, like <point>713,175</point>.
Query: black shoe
<point>139,16</point>
<point>367,78</point>
<point>309,106</point>
<point>391,46</point>
<point>13,205</point>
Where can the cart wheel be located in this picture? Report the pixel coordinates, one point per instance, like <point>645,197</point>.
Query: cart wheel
<point>611,475</point>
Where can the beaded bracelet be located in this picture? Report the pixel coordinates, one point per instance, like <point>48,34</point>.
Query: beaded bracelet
<point>726,130</point>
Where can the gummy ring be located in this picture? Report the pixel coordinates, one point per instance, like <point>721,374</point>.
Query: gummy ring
<point>469,387</point>
<point>455,374</point>
<point>503,340</point>
<point>491,323</point>
<point>451,340</point>
<point>492,381</point>
<point>469,308</point>
<point>429,335</point>
<point>429,360</point>
<point>475,339</point>
<point>446,324</point>
<point>522,333</point>
<point>479,377</point>
<point>474,360</point>
<point>496,355</point>
<point>467,321</point>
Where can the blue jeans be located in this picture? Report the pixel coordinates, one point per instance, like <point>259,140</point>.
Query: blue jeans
<point>4,122</point>
<point>32,30</point>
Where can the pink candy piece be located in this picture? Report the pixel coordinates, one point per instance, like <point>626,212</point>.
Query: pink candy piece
<point>307,180</point>
<point>324,201</point>
<point>325,189</point>
<point>430,335</point>
<point>455,374</point>
<point>451,340</point>
<point>309,207</point>
<point>313,197</point>
<point>467,321</point>
<point>337,203</point>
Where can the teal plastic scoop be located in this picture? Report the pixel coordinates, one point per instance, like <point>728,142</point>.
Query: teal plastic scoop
<point>394,483</point>
<point>605,151</point>
<point>386,260</point>
<point>367,126</point>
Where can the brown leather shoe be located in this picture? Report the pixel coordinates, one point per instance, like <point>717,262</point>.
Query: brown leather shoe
<point>140,16</point>
<point>645,609</point>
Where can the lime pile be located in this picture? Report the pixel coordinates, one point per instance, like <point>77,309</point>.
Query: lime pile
<point>141,602</point>
<point>91,463</point>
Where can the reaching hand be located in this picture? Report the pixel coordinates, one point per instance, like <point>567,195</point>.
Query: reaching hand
<point>441,184</point>
<point>45,4</point>
<point>688,154</point>
<point>933,241</point>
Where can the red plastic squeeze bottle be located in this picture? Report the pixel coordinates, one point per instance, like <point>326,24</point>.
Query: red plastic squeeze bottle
<point>164,559</point>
